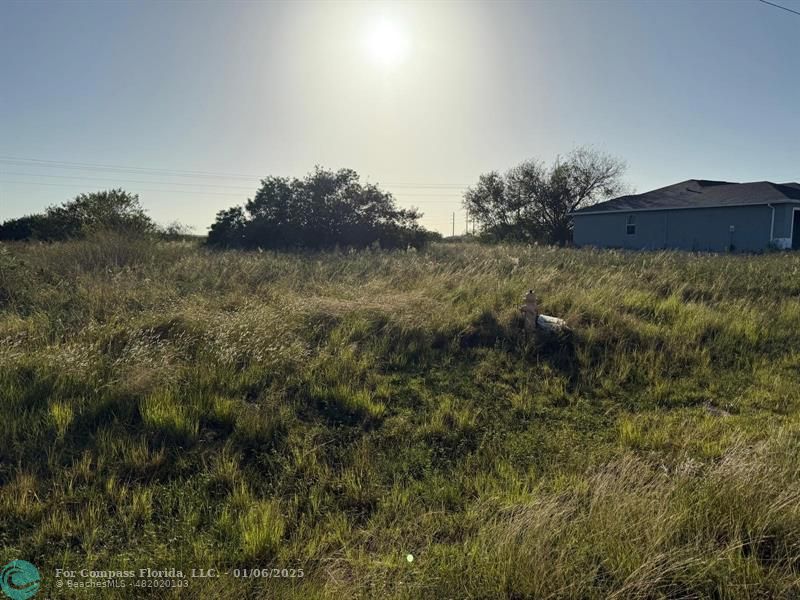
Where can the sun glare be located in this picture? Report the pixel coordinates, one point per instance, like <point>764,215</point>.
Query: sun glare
<point>387,43</point>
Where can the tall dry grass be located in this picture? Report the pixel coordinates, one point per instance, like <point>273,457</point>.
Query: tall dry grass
<point>337,412</point>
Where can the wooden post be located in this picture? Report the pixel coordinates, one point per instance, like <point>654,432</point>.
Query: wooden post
<point>530,310</point>
<point>533,320</point>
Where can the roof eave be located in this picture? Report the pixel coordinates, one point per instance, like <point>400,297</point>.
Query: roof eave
<point>629,210</point>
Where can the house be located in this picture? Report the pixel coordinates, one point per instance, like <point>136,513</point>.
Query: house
<point>696,215</point>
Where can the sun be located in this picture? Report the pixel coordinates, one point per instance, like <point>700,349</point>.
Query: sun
<point>387,43</point>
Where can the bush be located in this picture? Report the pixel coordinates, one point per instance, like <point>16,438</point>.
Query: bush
<point>109,210</point>
<point>323,210</point>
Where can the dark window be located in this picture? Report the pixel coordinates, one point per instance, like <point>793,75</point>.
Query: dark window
<point>796,229</point>
<point>631,225</point>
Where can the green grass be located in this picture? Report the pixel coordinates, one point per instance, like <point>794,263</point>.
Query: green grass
<point>165,406</point>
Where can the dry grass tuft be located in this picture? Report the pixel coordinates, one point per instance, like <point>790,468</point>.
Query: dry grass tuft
<point>336,412</point>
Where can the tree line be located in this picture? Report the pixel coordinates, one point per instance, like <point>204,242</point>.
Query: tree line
<point>322,210</point>
<point>325,209</point>
<point>532,202</point>
<point>109,210</point>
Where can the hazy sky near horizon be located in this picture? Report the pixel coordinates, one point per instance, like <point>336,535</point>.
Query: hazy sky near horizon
<point>678,89</point>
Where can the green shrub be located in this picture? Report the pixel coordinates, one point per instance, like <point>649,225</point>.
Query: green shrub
<point>326,209</point>
<point>109,210</point>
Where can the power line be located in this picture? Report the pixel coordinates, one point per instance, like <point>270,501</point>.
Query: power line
<point>426,198</point>
<point>204,185</point>
<point>38,162</point>
<point>198,193</point>
<point>89,178</point>
<point>96,166</point>
<point>787,9</point>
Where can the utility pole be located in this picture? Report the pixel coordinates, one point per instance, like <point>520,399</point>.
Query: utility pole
<point>454,224</point>
<point>466,229</point>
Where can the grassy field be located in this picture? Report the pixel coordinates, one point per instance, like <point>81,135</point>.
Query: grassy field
<point>168,407</point>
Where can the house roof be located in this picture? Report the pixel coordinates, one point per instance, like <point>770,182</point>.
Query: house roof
<point>700,193</point>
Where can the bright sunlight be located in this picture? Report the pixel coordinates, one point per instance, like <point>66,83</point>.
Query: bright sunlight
<point>387,43</point>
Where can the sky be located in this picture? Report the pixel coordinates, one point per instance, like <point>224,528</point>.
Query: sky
<point>189,104</point>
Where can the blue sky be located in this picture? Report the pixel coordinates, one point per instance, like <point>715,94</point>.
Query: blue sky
<point>677,89</point>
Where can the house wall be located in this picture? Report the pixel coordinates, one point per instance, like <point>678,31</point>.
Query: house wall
<point>701,229</point>
<point>783,225</point>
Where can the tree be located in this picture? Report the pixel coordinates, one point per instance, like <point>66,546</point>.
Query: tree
<point>23,228</point>
<point>322,210</point>
<point>109,210</point>
<point>532,202</point>
<point>228,230</point>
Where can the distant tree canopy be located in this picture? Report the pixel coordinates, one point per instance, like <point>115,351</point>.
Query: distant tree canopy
<point>110,210</point>
<point>532,202</point>
<point>322,210</point>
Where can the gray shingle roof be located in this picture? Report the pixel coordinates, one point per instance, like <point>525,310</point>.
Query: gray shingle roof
<point>700,193</point>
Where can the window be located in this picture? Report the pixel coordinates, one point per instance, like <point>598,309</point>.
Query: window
<point>631,225</point>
